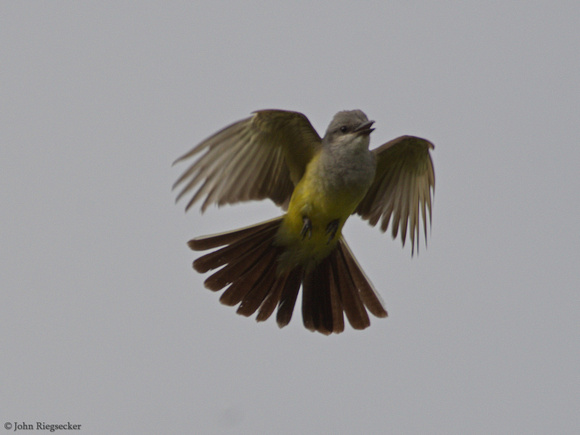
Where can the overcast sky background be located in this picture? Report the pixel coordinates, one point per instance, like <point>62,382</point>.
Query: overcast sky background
<point>104,323</point>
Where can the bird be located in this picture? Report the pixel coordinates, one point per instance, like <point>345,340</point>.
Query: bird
<point>318,182</point>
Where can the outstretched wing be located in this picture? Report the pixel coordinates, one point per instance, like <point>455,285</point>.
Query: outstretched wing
<point>259,157</point>
<point>403,185</point>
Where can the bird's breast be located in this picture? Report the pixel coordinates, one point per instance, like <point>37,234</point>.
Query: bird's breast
<point>327,194</point>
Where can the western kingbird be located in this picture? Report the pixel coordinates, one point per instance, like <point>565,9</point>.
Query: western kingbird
<point>320,182</point>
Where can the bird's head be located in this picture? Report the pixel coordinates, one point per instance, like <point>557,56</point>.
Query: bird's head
<point>349,128</point>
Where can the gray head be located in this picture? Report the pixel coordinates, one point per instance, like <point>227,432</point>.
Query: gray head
<point>348,126</point>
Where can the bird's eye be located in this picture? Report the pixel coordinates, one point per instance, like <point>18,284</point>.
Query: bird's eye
<point>343,129</point>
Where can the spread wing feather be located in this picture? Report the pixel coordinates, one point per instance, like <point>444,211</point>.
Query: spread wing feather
<point>259,157</point>
<point>402,190</point>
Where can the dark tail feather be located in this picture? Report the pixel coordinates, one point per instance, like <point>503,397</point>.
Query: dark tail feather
<point>335,285</point>
<point>248,238</point>
<point>367,292</point>
<point>321,304</point>
<point>250,270</point>
<point>215,240</point>
<point>288,297</point>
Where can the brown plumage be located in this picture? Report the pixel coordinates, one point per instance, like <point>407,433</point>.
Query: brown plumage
<point>250,269</point>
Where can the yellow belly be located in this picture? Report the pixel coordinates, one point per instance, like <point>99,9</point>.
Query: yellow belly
<point>313,199</point>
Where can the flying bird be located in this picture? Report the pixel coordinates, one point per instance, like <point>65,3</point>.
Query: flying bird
<point>319,183</point>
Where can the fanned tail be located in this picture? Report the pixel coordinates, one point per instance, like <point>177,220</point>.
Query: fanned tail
<point>250,269</point>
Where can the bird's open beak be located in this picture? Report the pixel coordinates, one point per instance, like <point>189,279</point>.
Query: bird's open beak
<point>365,128</point>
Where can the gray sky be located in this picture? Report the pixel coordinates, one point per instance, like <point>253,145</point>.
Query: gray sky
<point>104,323</point>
